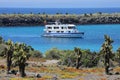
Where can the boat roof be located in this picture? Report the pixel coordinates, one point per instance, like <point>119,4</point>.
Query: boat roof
<point>58,23</point>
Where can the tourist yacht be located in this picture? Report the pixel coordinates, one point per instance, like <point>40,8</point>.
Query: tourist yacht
<point>56,29</point>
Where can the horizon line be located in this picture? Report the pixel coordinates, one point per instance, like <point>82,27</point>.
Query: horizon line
<point>59,7</point>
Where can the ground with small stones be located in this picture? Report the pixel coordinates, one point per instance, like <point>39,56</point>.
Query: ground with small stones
<point>49,70</point>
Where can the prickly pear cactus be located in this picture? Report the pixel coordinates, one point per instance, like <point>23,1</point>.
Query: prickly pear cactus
<point>107,50</point>
<point>79,56</point>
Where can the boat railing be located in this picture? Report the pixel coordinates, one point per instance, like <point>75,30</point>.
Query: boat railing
<point>55,23</point>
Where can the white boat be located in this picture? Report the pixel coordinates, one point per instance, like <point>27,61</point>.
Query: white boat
<point>56,29</point>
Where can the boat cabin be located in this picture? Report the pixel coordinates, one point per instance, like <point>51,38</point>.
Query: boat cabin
<point>57,27</point>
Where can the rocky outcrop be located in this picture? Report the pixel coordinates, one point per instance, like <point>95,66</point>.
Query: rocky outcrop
<point>41,19</point>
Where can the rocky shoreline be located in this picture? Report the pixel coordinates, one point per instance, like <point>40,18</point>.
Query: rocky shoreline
<point>42,19</point>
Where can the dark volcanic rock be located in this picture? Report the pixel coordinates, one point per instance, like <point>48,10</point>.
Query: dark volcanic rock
<point>42,19</point>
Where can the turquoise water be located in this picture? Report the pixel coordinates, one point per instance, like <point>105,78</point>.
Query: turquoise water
<point>93,38</point>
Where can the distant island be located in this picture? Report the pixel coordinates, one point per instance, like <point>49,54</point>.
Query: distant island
<point>42,19</point>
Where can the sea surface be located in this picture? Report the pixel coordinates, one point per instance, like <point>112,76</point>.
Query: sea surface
<point>93,38</point>
<point>58,10</point>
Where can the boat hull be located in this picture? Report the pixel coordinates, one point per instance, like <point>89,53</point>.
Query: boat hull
<point>64,35</point>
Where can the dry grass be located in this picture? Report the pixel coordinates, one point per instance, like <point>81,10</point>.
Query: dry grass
<point>117,69</point>
<point>61,72</point>
<point>103,79</point>
<point>37,59</point>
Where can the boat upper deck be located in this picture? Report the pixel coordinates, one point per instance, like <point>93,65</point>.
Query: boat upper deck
<point>58,23</point>
<point>57,27</point>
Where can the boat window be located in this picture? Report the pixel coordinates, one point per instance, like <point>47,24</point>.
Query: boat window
<point>58,31</point>
<point>68,31</point>
<point>71,27</point>
<point>63,28</point>
<point>49,31</point>
<point>56,27</point>
<point>49,27</point>
<point>62,31</point>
